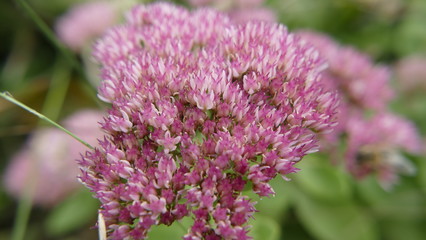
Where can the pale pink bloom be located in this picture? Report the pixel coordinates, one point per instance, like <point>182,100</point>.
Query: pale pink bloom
<point>361,82</point>
<point>46,166</point>
<point>258,14</point>
<point>364,90</point>
<point>85,22</point>
<point>411,74</point>
<point>375,145</point>
<point>362,86</point>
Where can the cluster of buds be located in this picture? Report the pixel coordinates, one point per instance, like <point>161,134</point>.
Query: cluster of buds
<point>375,136</point>
<point>202,109</point>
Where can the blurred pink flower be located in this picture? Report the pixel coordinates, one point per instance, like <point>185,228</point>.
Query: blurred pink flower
<point>364,90</point>
<point>47,166</point>
<point>84,22</point>
<point>362,84</point>
<point>410,72</point>
<point>374,146</point>
<point>258,14</point>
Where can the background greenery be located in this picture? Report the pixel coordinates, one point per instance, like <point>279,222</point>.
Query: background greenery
<point>321,202</point>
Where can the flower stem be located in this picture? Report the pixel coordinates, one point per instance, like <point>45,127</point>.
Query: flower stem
<point>23,214</point>
<point>9,98</point>
<point>57,90</point>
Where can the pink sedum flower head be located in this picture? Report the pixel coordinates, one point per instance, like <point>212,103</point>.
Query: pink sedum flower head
<point>374,146</point>
<point>411,74</point>
<point>85,22</point>
<point>362,86</point>
<point>361,83</point>
<point>46,167</point>
<point>201,109</point>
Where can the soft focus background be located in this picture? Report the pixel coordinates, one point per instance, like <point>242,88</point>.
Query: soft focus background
<point>40,197</point>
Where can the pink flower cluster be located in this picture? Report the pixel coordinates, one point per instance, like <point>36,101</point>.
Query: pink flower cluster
<point>374,145</point>
<point>411,74</point>
<point>201,110</point>
<point>361,84</point>
<point>372,131</point>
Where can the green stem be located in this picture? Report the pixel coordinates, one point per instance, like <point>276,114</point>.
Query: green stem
<point>9,98</point>
<point>17,62</point>
<point>22,216</point>
<point>57,90</point>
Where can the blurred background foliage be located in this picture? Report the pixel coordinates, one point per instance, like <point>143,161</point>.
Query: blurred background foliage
<point>321,202</point>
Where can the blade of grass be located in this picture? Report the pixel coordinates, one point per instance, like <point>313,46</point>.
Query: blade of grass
<point>9,98</point>
<point>57,90</point>
<point>17,62</point>
<point>23,214</point>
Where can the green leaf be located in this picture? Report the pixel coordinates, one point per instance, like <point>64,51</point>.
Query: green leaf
<point>370,191</point>
<point>411,34</point>
<point>421,164</point>
<point>396,229</point>
<point>334,221</point>
<point>172,232</point>
<point>198,138</point>
<point>274,207</point>
<point>404,201</point>
<point>75,212</point>
<point>264,228</point>
<point>322,180</point>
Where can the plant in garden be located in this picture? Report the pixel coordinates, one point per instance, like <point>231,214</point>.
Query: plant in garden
<point>374,135</point>
<point>202,109</point>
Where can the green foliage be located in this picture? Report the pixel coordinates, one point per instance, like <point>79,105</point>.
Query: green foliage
<point>330,220</point>
<point>397,229</point>
<point>75,212</point>
<point>172,232</point>
<point>320,179</point>
<point>264,228</point>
